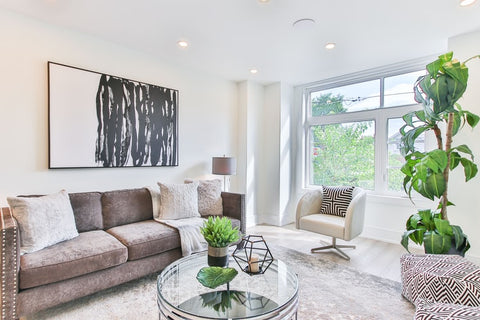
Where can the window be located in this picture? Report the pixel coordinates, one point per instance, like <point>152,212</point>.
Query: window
<point>352,130</point>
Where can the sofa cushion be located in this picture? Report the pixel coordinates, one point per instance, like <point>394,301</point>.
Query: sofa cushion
<point>90,251</point>
<point>87,208</point>
<point>126,206</point>
<point>146,238</point>
<point>43,221</point>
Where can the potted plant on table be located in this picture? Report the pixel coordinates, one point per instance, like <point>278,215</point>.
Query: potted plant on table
<point>219,234</point>
<point>428,172</point>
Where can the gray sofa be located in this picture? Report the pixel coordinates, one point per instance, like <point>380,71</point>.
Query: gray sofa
<point>118,242</point>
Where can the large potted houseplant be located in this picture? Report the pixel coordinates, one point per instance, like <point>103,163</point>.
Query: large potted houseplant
<point>428,172</point>
<point>219,234</point>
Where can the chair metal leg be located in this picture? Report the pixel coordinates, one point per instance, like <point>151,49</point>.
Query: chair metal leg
<point>335,246</point>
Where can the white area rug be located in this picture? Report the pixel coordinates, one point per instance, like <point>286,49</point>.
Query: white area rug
<point>327,291</point>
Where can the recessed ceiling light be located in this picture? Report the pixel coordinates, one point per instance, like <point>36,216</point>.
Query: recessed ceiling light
<point>263,1</point>
<point>330,45</point>
<point>464,3</point>
<point>253,71</point>
<point>182,44</point>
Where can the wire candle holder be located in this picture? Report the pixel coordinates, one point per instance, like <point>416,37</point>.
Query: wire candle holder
<point>253,255</point>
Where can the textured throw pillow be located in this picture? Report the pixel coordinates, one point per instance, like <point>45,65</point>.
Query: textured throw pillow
<point>336,200</point>
<point>43,221</point>
<point>209,197</point>
<point>178,201</point>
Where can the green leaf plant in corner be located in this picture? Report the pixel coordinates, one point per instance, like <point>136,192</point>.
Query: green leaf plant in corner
<point>428,172</point>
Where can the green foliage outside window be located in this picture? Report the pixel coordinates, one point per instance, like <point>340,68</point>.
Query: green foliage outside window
<point>342,154</point>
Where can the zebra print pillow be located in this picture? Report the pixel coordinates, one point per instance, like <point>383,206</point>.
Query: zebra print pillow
<point>336,200</point>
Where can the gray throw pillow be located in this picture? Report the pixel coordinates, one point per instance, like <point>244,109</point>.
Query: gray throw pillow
<point>209,197</point>
<point>43,221</point>
<point>336,200</point>
<point>178,201</point>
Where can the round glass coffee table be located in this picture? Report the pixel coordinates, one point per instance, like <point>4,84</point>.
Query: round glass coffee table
<point>271,295</point>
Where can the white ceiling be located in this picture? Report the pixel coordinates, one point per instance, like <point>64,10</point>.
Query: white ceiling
<point>228,37</point>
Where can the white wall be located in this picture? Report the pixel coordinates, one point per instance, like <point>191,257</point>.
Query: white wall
<point>273,147</point>
<point>250,104</point>
<point>264,146</point>
<point>207,110</point>
<point>466,196</point>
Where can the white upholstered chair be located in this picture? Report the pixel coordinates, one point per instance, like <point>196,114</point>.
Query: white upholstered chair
<point>346,228</point>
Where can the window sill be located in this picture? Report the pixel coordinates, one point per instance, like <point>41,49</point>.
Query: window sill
<point>400,200</point>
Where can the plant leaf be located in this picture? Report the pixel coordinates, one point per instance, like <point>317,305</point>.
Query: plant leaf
<point>470,169</point>
<point>472,119</point>
<point>436,243</point>
<point>443,227</point>
<point>212,277</point>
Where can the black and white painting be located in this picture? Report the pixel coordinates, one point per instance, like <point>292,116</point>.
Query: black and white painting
<point>100,120</point>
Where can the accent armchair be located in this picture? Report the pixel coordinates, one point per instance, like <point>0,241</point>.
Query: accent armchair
<point>310,218</point>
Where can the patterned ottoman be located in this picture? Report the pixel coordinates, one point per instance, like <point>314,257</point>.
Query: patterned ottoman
<point>448,311</point>
<point>440,278</point>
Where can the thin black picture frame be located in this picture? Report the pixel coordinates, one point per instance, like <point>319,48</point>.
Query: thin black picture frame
<point>97,120</point>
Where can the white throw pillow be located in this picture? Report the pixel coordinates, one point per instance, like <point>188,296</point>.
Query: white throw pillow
<point>178,201</point>
<point>209,197</point>
<point>43,221</point>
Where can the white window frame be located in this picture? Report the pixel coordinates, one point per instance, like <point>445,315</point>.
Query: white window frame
<point>379,115</point>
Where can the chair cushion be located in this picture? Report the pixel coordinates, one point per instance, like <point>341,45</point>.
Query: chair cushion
<point>146,238</point>
<point>90,251</point>
<point>445,311</point>
<point>43,221</point>
<point>326,224</point>
<point>336,200</point>
<point>126,206</point>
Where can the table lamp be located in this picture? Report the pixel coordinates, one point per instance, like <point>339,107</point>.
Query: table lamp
<point>224,166</point>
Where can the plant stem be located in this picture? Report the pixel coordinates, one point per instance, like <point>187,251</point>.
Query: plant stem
<point>477,56</point>
<point>438,135</point>
<point>446,172</point>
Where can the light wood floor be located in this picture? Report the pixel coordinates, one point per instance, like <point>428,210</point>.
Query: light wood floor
<point>371,256</point>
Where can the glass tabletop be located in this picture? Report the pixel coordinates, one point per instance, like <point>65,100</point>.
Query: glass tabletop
<point>244,297</point>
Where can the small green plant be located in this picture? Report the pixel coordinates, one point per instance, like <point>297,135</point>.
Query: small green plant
<point>218,232</point>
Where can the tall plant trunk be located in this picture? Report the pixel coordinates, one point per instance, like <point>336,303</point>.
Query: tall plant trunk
<point>446,172</point>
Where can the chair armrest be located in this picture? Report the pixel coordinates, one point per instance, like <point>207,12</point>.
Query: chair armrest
<point>10,257</point>
<point>355,216</point>
<point>234,207</point>
<point>310,203</point>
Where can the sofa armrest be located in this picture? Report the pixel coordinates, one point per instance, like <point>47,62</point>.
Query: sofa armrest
<point>10,257</point>
<point>234,207</point>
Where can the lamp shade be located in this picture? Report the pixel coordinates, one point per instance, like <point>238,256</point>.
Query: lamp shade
<point>224,165</point>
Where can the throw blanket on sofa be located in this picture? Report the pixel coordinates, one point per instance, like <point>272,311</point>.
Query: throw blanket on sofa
<point>190,237</point>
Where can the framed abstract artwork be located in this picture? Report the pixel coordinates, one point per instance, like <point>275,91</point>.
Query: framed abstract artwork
<point>100,120</point>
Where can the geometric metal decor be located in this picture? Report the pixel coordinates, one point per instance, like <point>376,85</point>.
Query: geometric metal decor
<point>253,255</point>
